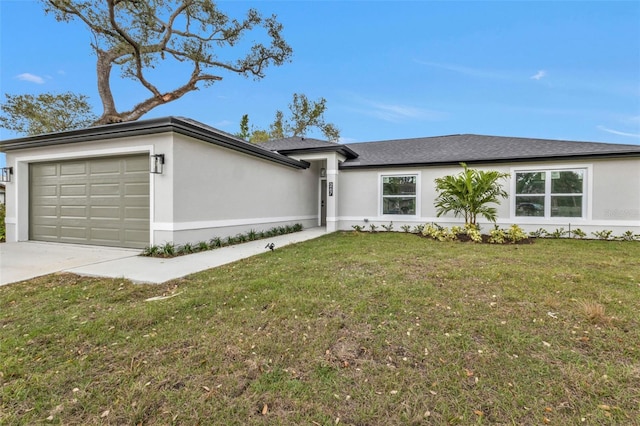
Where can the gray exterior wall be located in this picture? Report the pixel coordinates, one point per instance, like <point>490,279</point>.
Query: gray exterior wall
<point>208,191</point>
<point>205,190</point>
<point>612,196</point>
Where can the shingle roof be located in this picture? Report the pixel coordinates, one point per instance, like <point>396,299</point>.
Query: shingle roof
<point>475,148</point>
<point>296,144</point>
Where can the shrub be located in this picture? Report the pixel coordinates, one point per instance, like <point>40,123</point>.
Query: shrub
<point>3,229</point>
<point>358,228</point>
<point>215,242</point>
<point>473,232</point>
<point>602,235</point>
<point>252,235</point>
<point>417,229</point>
<point>558,233</point>
<point>202,246</point>
<point>627,236</point>
<point>151,251</point>
<point>406,228</point>
<point>168,249</point>
<point>538,233</point>
<point>388,227</point>
<point>373,227</point>
<point>497,236</point>
<point>187,248</point>
<point>579,233</point>
<point>515,234</point>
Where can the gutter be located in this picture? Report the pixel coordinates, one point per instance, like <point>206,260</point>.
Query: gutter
<point>149,127</point>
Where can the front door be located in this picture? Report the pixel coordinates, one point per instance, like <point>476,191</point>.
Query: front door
<point>323,202</point>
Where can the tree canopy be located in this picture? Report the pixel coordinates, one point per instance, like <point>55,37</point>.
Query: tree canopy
<point>469,193</point>
<point>304,115</point>
<point>45,113</point>
<point>136,36</point>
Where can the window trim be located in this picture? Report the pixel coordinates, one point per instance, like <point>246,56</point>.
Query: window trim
<point>587,188</point>
<point>382,175</point>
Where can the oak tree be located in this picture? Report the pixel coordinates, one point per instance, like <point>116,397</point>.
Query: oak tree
<point>304,115</point>
<point>136,36</point>
<point>45,113</point>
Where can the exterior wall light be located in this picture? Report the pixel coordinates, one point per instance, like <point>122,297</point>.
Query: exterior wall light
<point>157,164</point>
<point>5,175</point>
<point>323,172</point>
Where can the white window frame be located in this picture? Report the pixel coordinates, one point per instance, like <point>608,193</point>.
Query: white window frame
<point>417,175</point>
<point>587,186</point>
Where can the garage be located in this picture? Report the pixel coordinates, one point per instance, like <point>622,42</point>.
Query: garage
<point>98,201</point>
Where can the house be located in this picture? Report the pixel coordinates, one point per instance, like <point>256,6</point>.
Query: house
<point>2,193</point>
<point>173,179</point>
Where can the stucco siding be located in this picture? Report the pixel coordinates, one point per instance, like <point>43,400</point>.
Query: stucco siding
<point>220,192</point>
<point>616,190</point>
<point>611,196</point>
<point>17,191</point>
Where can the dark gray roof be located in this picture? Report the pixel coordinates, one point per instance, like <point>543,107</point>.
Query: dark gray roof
<point>298,145</point>
<point>179,125</point>
<point>454,149</point>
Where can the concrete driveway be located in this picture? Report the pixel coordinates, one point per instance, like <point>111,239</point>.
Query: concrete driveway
<point>25,260</point>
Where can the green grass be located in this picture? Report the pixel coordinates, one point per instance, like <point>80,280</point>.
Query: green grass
<point>350,328</point>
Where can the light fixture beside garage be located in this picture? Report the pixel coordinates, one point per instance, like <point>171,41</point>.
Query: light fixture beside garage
<point>6,174</point>
<point>157,164</point>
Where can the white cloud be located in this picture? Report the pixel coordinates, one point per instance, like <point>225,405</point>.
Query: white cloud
<point>30,77</point>
<point>539,75</point>
<point>617,132</point>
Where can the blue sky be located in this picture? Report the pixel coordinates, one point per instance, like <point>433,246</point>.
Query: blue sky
<point>544,69</point>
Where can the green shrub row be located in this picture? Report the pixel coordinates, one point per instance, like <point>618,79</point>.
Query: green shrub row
<point>513,234</point>
<point>173,250</point>
<point>580,234</point>
<point>3,229</point>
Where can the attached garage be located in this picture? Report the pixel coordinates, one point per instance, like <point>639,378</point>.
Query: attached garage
<point>99,201</point>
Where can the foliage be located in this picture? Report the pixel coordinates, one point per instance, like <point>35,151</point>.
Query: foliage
<point>538,233</point>
<point>45,113</point>
<point>137,36</point>
<point>602,235</point>
<point>304,115</point>
<point>373,329</point>
<point>497,236</point>
<point>171,250</point>
<point>373,227</point>
<point>558,233</point>
<point>628,236</point>
<point>515,233</point>
<point>388,227</point>
<point>3,229</point>
<point>579,233</point>
<point>358,228</point>
<point>406,228</point>
<point>473,232</point>
<point>469,194</point>
<point>438,232</point>
<point>417,229</point>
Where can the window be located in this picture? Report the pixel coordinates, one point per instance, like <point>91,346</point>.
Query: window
<point>550,193</point>
<point>399,194</point>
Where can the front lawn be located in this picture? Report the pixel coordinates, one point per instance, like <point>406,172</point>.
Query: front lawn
<point>350,328</point>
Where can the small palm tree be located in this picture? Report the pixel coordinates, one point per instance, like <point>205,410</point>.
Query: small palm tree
<point>468,193</point>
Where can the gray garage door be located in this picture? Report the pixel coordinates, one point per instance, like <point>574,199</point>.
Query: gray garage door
<point>101,201</point>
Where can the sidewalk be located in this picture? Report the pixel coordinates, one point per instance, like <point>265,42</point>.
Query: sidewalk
<point>157,270</point>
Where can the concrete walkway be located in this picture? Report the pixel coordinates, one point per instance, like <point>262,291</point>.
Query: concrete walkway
<point>20,261</point>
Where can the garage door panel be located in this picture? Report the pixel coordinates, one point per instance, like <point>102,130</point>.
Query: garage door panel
<point>101,201</point>
<point>73,168</point>
<point>73,211</point>
<point>73,190</point>
<point>136,212</point>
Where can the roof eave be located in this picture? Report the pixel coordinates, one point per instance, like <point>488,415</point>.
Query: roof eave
<point>348,166</point>
<point>147,127</point>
